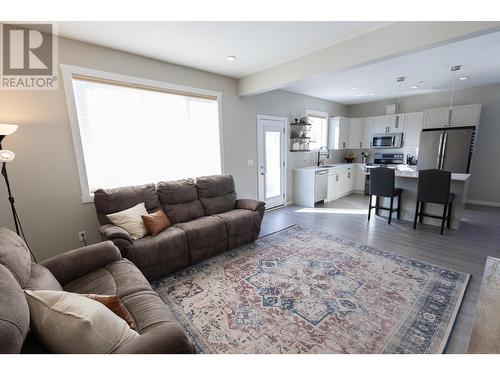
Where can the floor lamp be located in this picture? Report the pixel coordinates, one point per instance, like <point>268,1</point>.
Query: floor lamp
<point>7,156</point>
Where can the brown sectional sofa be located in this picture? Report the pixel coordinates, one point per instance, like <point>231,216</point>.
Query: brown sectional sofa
<point>96,269</point>
<point>206,216</point>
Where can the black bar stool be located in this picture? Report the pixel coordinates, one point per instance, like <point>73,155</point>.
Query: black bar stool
<point>382,185</point>
<point>434,187</point>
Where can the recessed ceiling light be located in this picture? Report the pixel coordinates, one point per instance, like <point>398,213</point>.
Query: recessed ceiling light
<point>354,87</point>
<point>231,58</point>
<point>414,87</point>
<point>463,78</point>
<point>367,94</point>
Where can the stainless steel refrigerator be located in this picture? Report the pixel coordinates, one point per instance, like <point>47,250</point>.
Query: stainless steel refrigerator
<point>449,149</point>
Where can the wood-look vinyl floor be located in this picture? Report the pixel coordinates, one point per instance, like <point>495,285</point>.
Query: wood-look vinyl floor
<point>463,250</point>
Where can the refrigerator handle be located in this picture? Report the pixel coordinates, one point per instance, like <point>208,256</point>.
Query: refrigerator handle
<point>445,140</point>
<point>440,149</point>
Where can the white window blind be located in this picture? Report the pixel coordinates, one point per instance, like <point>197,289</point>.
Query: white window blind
<point>135,135</point>
<point>318,130</point>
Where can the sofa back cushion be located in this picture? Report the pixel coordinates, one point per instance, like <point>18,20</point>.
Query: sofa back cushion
<point>179,200</point>
<point>109,201</point>
<point>14,256</point>
<point>216,193</point>
<point>14,313</point>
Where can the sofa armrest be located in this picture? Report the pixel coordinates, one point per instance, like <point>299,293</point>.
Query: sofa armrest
<point>164,339</point>
<point>114,232</point>
<point>71,265</point>
<point>249,204</point>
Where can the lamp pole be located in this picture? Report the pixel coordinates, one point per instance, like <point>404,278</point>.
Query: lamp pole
<point>11,198</point>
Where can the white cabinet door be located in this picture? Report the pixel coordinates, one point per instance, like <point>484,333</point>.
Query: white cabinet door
<point>338,133</point>
<point>366,141</point>
<point>394,126</point>
<point>351,177</point>
<point>333,182</point>
<point>344,133</point>
<point>380,124</point>
<point>465,115</point>
<point>435,118</point>
<point>413,128</point>
<point>359,184</point>
<point>355,132</point>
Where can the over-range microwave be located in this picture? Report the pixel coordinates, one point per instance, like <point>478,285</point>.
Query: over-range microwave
<point>387,140</point>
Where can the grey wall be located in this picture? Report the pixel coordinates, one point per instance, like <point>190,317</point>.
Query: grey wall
<point>44,175</point>
<point>485,180</point>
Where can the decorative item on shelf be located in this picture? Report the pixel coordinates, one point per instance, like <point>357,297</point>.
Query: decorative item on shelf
<point>300,135</point>
<point>349,158</point>
<point>295,146</point>
<point>7,156</point>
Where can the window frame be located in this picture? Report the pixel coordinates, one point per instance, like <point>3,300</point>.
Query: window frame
<point>68,71</point>
<point>321,114</point>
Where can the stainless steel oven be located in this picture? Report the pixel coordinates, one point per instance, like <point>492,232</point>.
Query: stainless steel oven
<point>387,140</point>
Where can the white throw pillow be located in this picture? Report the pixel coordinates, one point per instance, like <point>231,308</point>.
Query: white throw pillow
<point>70,323</point>
<point>131,220</point>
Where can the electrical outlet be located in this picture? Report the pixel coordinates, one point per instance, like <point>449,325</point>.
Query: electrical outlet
<point>82,236</point>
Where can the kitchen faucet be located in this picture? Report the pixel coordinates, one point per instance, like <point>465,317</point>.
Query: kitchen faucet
<point>321,152</point>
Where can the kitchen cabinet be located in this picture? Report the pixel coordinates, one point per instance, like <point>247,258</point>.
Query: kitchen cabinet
<point>413,128</point>
<point>366,139</point>
<point>338,133</point>
<point>333,183</point>
<point>388,124</point>
<point>461,115</point>
<point>346,183</point>
<point>465,115</point>
<point>359,182</point>
<point>355,132</point>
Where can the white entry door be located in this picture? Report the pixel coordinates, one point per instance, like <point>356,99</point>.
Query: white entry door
<point>271,159</point>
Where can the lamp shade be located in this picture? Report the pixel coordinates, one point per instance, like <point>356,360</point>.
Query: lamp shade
<point>7,129</point>
<point>6,156</point>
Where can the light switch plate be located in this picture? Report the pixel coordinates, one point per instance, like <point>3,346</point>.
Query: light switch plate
<point>250,162</point>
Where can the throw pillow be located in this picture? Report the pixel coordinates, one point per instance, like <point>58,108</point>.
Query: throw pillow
<point>71,323</point>
<point>156,222</point>
<point>114,303</point>
<point>130,220</point>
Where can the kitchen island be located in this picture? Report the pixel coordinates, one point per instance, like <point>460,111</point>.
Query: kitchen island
<point>407,179</point>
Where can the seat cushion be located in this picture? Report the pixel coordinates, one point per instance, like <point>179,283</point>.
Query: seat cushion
<point>110,201</point>
<point>216,193</point>
<point>159,255</point>
<point>124,279</point>
<point>242,226</point>
<point>206,237</point>
<point>179,200</point>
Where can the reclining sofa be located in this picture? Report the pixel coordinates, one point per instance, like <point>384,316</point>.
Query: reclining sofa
<point>206,218</point>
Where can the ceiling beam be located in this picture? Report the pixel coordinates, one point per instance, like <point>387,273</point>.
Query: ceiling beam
<point>394,40</point>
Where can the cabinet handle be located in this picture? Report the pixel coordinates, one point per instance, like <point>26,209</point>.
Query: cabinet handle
<point>349,175</point>
<point>360,145</point>
<point>343,144</point>
<point>336,177</point>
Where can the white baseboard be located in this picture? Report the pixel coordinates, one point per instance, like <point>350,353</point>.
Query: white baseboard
<point>483,203</point>
<point>289,203</point>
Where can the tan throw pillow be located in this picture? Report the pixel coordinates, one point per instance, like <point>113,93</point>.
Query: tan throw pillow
<point>115,304</point>
<point>130,220</point>
<point>156,222</point>
<point>71,323</point>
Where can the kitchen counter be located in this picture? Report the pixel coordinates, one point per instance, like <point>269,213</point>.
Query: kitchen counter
<point>315,168</point>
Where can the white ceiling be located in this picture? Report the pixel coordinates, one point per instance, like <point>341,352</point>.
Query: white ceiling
<point>478,56</point>
<point>206,45</point>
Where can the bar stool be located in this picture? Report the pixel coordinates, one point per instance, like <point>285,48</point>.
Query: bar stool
<point>382,185</point>
<point>434,187</point>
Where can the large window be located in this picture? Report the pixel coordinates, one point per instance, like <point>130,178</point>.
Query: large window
<point>319,128</point>
<point>133,135</point>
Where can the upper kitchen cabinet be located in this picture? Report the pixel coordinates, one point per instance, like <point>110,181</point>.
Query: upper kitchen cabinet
<point>413,128</point>
<point>355,132</point>
<point>338,133</point>
<point>366,140</point>
<point>388,124</point>
<point>461,115</point>
<point>465,115</point>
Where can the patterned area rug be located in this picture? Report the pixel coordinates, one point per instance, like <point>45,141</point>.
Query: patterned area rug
<point>299,291</point>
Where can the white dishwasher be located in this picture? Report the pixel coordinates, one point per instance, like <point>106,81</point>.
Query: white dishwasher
<point>321,185</point>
